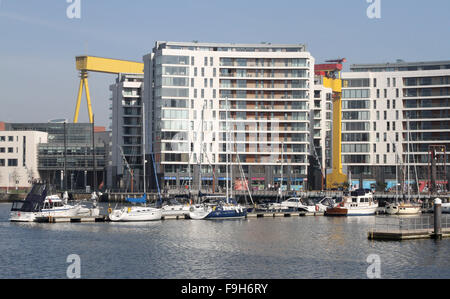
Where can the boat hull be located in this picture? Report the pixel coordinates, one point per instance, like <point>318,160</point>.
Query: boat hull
<point>342,211</point>
<point>140,215</point>
<point>177,210</point>
<point>22,216</point>
<point>233,213</point>
<point>446,208</point>
<point>402,209</point>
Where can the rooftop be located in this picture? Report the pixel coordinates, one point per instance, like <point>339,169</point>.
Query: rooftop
<point>262,47</point>
<point>401,65</point>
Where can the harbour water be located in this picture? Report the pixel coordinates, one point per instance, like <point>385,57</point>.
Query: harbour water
<point>263,248</point>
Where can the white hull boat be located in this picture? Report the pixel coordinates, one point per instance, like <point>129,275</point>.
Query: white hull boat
<point>446,208</point>
<point>175,209</point>
<point>359,203</point>
<point>37,205</point>
<point>132,214</point>
<point>199,212</point>
<point>403,209</point>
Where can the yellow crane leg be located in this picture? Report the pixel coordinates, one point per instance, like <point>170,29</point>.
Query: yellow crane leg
<point>88,99</point>
<point>80,93</point>
<point>336,178</point>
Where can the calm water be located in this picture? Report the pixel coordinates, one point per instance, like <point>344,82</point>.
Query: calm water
<point>297,247</point>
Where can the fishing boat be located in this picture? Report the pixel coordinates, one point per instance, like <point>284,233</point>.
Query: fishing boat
<point>40,203</point>
<point>359,203</point>
<point>135,213</point>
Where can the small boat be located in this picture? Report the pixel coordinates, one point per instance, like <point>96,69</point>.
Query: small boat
<point>446,208</point>
<point>294,203</point>
<point>135,213</point>
<point>359,203</point>
<point>403,208</point>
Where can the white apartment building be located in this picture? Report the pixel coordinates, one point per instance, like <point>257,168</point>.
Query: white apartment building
<point>126,125</point>
<point>214,104</point>
<point>19,158</point>
<point>388,109</point>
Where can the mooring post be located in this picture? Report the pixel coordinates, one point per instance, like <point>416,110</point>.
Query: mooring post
<point>437,218</point>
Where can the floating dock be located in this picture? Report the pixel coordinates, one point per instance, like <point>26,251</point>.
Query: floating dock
<point>76,219</point>
<point>282,214</point>
<point>399,235</point>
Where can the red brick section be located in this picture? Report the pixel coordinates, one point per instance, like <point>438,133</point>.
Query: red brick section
<point>2,126</point>
<point>96,129</point>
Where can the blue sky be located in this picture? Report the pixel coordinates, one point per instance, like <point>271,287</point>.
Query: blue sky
<point>38,43</point>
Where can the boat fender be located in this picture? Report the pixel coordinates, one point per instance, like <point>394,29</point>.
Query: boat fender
<point>129,210</point>
<point>109,211</point>
<point>317,208</point>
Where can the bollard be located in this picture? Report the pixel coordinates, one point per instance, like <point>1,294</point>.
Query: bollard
<point>437,218</point>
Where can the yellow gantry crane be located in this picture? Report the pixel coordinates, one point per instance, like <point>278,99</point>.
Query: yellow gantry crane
<point>86,64</point>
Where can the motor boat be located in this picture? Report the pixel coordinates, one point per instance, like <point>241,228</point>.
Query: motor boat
<point>294,203</point>
<point>135,213</point>
<point>39,204</point>
<point>446,208</point>
<point>359,203</point>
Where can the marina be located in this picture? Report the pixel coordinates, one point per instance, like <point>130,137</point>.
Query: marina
<point>252,248</point>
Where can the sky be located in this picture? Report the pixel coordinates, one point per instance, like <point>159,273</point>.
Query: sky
<point>39,42</point>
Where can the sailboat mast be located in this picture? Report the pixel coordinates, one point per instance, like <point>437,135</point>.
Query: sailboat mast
<point>407,165</point>
<point>226,146</point>
<point>143,145</point>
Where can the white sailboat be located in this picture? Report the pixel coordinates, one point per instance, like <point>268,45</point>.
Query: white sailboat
<point>404,207</point>
<point>138,213</point>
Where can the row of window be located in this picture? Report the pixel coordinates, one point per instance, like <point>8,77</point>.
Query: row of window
<point>10,138</point>
<point>9,162</point>
<point>285,62</point>
<point>10,150</point>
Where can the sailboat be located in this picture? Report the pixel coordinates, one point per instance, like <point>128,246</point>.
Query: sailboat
<point>143,212</point>
<point>403,208</point>
<point>220,207</point>
<point>228,208</point>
